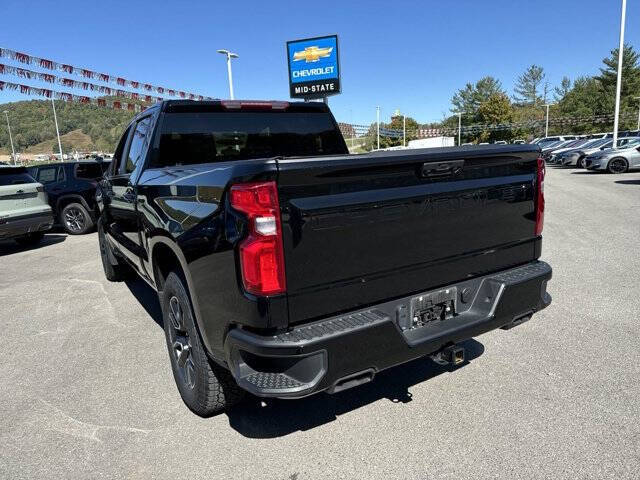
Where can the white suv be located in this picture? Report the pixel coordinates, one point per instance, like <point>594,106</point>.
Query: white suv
<point>24,212</point>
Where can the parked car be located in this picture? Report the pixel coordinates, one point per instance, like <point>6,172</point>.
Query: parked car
<point>71,188</point>
<point>577,157</point>
<point>549,148</point>
<point>285,266</point>
<point>547,141</point>
<point>555,156</point>
<point>518,141</point>
<point>549,153</point>
<point>619,160</point>
<point>25,215</point>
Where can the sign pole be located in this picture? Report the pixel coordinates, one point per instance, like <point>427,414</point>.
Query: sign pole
<point>378,125</point>
<point>13,152</point>
<point>404,130</point>
<point>55,117</point>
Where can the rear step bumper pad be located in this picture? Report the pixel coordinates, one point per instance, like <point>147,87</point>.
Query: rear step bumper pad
<point>347,350</point>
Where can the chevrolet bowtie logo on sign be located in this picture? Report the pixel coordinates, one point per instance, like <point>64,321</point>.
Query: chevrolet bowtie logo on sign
<point>312,54</point>
<point>314,69</point>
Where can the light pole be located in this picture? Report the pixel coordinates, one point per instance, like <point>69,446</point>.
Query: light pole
<point>55,118</point>
<point>459,127</point>
<point>13,152</point>
<point>404,130</point>
<point>638,98</point>
<point>619,82</point>
<point>229,56</point>
<point>378,125</point>
<point>546,128</point>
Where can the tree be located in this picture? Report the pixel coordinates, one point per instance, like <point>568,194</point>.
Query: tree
<point>468,99</point>
<point>394,140</point>
<point>630,80</point>
<point>545,92</point>
<point>496,111</point>
<point>527,86</point>
<point>32,123</point>
<point>66,146</point>
<point>560,92</point>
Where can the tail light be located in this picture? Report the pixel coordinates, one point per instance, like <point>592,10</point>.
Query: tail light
<point>261,253</point>
<point>540,171</point>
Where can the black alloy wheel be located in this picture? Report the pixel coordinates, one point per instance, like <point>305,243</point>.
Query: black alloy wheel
<point>617,165</point>
<point>76,219</point>
<point>181,347</point>
<point>205,387</point>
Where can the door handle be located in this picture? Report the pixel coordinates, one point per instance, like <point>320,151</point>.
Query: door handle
<point>442,169</point>
<point>19,191</point>
<point>129,196</point>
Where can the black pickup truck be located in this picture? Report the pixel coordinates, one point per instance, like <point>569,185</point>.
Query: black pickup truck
<point>285,266</point>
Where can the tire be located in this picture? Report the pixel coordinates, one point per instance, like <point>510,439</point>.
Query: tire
<point>206,388</point>
<point>114,273</point>
<point>75,219</point>
<point>617,165</point>
<point>580,163</point>
<point>30,239</point>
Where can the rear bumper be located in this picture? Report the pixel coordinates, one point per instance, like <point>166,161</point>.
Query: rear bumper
<point>21,225</point>
<point>343,351</point>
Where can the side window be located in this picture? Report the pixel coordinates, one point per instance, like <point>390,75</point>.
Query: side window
<point>47,175</point>
<point>138,145</point>
<point>91,171</point>
<point>117,155</point>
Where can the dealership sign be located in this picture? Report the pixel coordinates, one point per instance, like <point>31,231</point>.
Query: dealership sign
<point>314,69</point>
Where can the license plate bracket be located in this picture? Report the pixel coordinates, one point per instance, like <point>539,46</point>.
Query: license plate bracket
<point>433,307</point>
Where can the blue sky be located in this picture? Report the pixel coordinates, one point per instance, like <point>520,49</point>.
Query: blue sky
<point>406,55</point>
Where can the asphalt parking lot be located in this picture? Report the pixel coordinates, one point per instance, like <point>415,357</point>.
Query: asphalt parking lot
<point>87,390</point>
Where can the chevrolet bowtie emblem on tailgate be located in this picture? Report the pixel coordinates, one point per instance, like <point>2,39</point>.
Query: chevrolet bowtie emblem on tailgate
<point>312,54</point>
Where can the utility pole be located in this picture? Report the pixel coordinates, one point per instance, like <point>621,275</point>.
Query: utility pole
<point>13,152</point>
<point>546,128</point>
<point>619,82</point>
<point>55,117</point>
<point>638,98</point>
<point>229,56</point>
<point>378,125</point>
<point>404,130</point>
<point>459,127</point>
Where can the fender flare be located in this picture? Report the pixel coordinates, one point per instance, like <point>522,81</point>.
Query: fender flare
<point>164,238</point>
<point>77,199</point>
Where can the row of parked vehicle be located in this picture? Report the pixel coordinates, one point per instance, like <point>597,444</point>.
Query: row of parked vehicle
<point>34,199</point>
<point>593,152</point>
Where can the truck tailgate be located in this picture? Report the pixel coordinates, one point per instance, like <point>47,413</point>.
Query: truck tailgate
<point>362,229</point>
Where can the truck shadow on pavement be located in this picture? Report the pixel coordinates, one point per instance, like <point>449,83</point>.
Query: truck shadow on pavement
<point>269,418</point>
<point>628,182</point>
<point>8,247</point>
<point>147,297</point>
